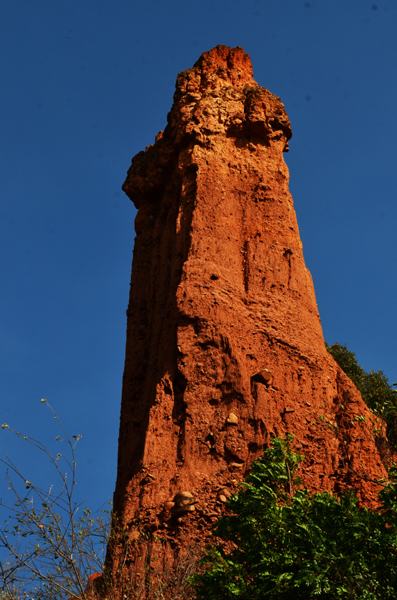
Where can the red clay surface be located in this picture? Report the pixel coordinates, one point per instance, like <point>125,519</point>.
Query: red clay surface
<point>224,342</point>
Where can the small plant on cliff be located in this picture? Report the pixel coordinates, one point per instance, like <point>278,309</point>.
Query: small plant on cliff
<point>51,544</point>
<point>375,390</point>
<point>290,544</point>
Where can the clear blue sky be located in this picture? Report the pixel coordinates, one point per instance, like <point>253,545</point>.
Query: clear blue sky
<point>86,84</point>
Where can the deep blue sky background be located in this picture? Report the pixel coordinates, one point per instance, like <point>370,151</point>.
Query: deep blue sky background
<point>86,84</point>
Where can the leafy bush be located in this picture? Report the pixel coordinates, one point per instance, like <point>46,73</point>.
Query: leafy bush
<point>375,390</point>
<point>287,544</point>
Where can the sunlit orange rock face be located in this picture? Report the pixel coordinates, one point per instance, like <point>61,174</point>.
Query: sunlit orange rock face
<point>224,342</point>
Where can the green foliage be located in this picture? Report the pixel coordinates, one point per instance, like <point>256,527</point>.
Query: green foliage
<point>348,362</point>
<point>288,544</point>
<point>375,390</point>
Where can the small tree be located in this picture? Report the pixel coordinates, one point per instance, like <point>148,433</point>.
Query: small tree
<point>375,390</point>
<point>348,362</point>
<point>54,544</point>
<point>288,544</point>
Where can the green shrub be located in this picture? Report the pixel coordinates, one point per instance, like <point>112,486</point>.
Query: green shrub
<point>288,544</point>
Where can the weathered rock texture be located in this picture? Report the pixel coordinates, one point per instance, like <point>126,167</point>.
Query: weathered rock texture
<point>224,341</point>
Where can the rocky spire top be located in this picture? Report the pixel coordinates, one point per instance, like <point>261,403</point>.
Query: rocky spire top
<point>220,92</point>
<point>217,99</point>
<point>232,65</point>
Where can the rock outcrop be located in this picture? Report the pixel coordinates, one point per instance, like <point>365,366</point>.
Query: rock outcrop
<point>224,342</point>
